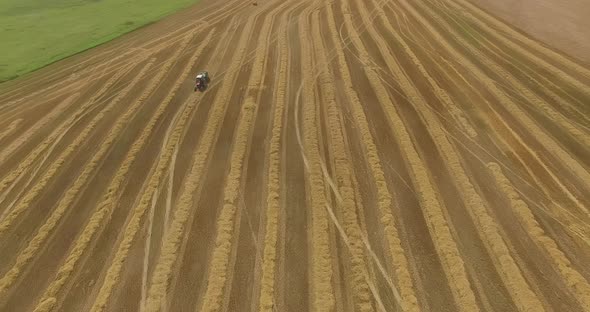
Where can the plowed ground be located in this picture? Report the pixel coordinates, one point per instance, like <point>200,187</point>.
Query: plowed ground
<point>352,155</point>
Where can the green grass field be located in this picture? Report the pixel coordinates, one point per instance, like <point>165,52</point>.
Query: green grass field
<point>34,33</point>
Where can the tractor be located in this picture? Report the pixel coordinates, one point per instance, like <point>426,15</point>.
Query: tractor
<point>201,81</point>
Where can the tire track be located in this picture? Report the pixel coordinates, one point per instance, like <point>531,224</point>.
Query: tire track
<point>560,103</point>
<point>572,278</point>
<point>525,299</point>
<point>266,297</point>
<point>174,33</point>
<point>455,112</point>
<point>381,94</point>
<point>109,200</point>
<point>134,224</point>
<point>54,142</point>
<point>444,232</point>
<point>574,228</point>
<point>200,222</point>
<point>493,120</point>
<point>69,84</point>
<point>440,93</point>
<point>44,180</point>
<point>294,247</point>
<point>245,287</point>
<point>73,87</point>
<point>534,129</point>
<point>48,77</point>
<point>28,253</point>
<point>423,255</point>
<point>548,67</point>
<point>322,291</point>
<point>176,39</point>
<point>153,84</point>
<point>147,247</point>
<point>338,241</point>
<point>169,191</point>
<point>210,23</point>
<point>446,74</point>
<point>57,134</point>
<point>170,183</point>
<point>509,271</point>
<point>13,106</point>
<point>522,305</point>
<point>168,253</point>
<point>327,176</point>
<point>343,175</point>
<point>10,129</point>
<point>47,119</point>
<point>492,125</point>
<point>528,72</point>
<point>558,116</point>
<point>514,84</point>
<point>87,174</point>
<point>445,245</point>
<point>220,263</point>
<point>22,206</point>
<point>467,8</point>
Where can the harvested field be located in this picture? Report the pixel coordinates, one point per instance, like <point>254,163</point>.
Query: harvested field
<point>561,24</point>
<point>352,155</point>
